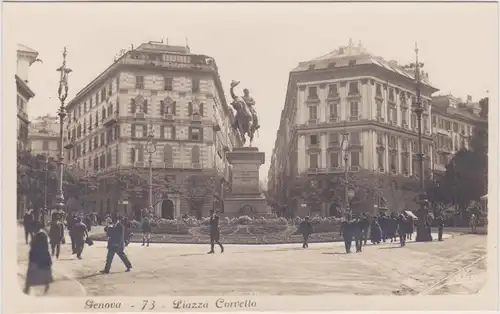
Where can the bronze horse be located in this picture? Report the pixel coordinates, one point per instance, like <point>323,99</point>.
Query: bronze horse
<point>244,120</point>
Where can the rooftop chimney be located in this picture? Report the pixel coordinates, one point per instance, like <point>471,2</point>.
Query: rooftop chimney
<point>469,98</point>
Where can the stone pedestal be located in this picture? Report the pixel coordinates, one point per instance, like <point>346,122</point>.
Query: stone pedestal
<point>245,197</point>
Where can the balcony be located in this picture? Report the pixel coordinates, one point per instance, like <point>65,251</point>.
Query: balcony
<point>354,118</point>
<point>111,119</point>
<point>380,118</point>
<point>354,168</point>
<point>333,96</point>
<point>168,117</point>
<point>313,121</point>
<point>312,99</point>
<point>334,118</point>
<point>130,60</point>
<point>140,115</point>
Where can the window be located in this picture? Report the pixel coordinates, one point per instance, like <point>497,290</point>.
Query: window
<point>162,131</point>
<point>313,140</point>
<point>168,155</point>
<point>132,131</point>
<point>354,109</point>
<point>404,116</point>
<point>196,85</point>
<point>144,130</point>
<point>102,139</point>
<point>103,94</point>
<point>380,138</point>
<point>195,134</point>
<point>313,161</point>
<point>97,99</point>
<point>333,110</point>
<point>424,122</point>
<point>378,90</point>
<point>392,141</point>
<point>404,145</point>
<point>394,161</point>
<point>90,103</point>
<point>333,90</point>
<point>110,89</point>
<point>448,125</point>
<point>413,121</point>
<point>355,159</point>
<point>117,132</point>
<point>380,159</point>
<point>108,159</point>
<point>379,109</point>
<point>333,138</point>
<point>96,118</point>
<point>313,92</point>
<point>334,160</point>
<point>139,82</point>
<point>353,88</point>
<point>434,121</point>
<point>391,94</point>
<point>331,65</point>
<point>103,111</point>
<point>405,164</point>
<point>355,138</point>
<point>45,145</point>
<point>195,155</point>
<point>145,106</point>
<point>394,115</point>
<point>167,84</point>
<point>313,113</point>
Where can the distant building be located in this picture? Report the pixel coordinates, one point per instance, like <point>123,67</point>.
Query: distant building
<point>169,90</point>
<point>25,58</point>
<point>44,136</point>
<point>453,123</point>
<point>348,90</point>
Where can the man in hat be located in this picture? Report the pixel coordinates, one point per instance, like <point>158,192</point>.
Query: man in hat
<point>28,223</point>
<point>346,233</point>
<point>440,224</point>
<point>79,231</point>
<point>56,235</point>
<point>116,244</point>
<point>214,232</point>
<point>306,229</point>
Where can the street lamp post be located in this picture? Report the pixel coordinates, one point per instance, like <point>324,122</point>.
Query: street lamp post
<point>62,93</point>
<point>422,230</point>
<point>151,149</point>
<point>345,148</point>
<point>46,169</point>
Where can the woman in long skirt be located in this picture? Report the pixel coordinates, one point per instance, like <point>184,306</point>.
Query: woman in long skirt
<point>375,232</point>
<point>40,263</point>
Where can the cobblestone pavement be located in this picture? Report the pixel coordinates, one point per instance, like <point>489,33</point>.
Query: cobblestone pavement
<point>324,268</point>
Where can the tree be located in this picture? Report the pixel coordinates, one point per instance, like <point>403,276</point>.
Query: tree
<point>197,190</point>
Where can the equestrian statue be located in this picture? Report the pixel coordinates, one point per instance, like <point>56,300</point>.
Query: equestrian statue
<point>246,120</point>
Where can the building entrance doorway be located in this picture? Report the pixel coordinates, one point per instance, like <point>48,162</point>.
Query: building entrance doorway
<point>167,209</point>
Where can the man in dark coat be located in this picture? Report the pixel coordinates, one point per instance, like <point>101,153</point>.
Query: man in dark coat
<point>79,232</point>
<point>56,235</point>
<point>116,245</point>
<point>214,232</point>
<point>28,223</point>
<point>357,234</point>
<point>365,225</point>
<point>440,225</point>
<point>375,232</point>
<point>409,227</point>
<point>402,229</point>
<point>88,222</point>
<point>146,231</point>
<point>346,233</point>
<point>382,221</point>
<point>392,227</point>
<point>306,229</point>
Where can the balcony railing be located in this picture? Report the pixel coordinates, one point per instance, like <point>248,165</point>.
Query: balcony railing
<point>111,119</point>
<point>168,64</point>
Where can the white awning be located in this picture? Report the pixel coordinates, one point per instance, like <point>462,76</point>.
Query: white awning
<point>484,197</point>
<point>412,215</point>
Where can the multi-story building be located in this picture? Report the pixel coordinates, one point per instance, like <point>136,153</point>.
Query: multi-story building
<point>43,136</point>
<point>349,91</point>
<point>166,90</point>
<point>25,58</point>
<point>453,123</point>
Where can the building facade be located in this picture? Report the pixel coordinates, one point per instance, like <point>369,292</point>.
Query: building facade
<point>349,91</point>
<point>43,136</point>
<point>157,89</point>
<point>25,58</point>
<point>453,123</point>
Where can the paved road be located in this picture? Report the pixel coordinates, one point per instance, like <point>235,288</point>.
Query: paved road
<point>176,269</point>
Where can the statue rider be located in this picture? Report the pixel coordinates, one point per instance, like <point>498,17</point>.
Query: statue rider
<point>249,101</point>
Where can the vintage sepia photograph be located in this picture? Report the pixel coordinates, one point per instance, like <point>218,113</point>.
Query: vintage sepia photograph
<point>233,151</point>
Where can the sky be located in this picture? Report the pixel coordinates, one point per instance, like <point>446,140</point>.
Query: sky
<point>258,44</point>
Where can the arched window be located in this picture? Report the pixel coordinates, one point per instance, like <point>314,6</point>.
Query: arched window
<point>195,155</point>
<point>139,104</point>
<point>132,106</point>
<point>140,152</point>
<point>133,155</point>
<point>168,154</point>
<point>103,113</point>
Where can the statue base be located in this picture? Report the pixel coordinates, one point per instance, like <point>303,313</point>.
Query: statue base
<point>245,197</point>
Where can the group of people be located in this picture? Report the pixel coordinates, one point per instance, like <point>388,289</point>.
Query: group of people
<point>378,229</point>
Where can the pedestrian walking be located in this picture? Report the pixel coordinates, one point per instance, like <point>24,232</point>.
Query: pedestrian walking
<point>357,232</point>
<point>214,232</point>
<point>473,223</point>
<point>375,232</point>
<point>410,225</point>
<point>440,225</point>
<point>383,222</point>
<point>402,229</point>
<point>70,222</point>
<point>127,233</point>
<point>346,233</point>
<point>28,224</point>
<point>56,235</point>
<point>306,229</point>
<point>79,231</point>
<point>365,225</point>
<point>88,222</point>
<point>116,245</point>
<point>39,261</point>
<point>146,231</point>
